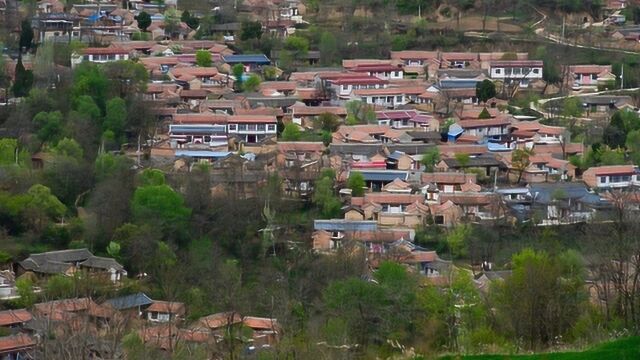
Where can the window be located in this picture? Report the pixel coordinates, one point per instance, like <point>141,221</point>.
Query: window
<point>233,127</point>
<point>507,71</point>
<point>594,76</point>
<point>242,127</point>
<point>389,99</point>
<point>399,98</point>
<point>439,219</point>
<point>526,71</point>
<point>271,128</point>
<point>498,71</point>
<point>603,179</point>
<point>261,127</point>
<point>396,73</point>
<point>517,71</point>
<point>344,87</point>
<point>536,71</point>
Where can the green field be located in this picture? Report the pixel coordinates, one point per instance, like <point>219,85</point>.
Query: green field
<point>625,349</point>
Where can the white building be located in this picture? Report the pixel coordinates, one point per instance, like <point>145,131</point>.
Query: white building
<point>522,71</point>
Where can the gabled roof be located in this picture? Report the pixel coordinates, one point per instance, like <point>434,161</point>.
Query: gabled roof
<point>219,320</point>
<point>55,262</point>
<point>167,307</point>
<point>397,184</point>
<point>130,301</point>
<point>259,323</point>
<point>447,178</point>
<point>262,119</point>
<point>14,343</point>
<point>11,317</point>
<point>99,262</point>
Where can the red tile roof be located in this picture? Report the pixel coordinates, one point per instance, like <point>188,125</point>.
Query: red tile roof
<point>498,121</point>
<point>10,317</point>
<point>252,119</point>
<point>104,51</point>
<point>14,343</point>
<point>167,307</point>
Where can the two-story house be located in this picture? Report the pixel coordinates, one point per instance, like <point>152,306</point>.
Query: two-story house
<point>252,129</point>
<point>516,71</point>
<point>486,128</point>
<point>418,62</point>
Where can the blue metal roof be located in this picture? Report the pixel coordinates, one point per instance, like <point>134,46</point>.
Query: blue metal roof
<point>203,154</point>
<point>247,58</point>
<point>455,130</point>
<point>384,175</point>
<point>130,301</point>
<point>345,225</point>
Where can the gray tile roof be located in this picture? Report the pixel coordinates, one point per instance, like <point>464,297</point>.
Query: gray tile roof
<point>130,301</point>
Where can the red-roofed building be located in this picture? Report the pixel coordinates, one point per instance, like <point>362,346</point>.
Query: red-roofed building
<point>19,346</point>
<point>165,311</point>
<point>608,177</point>
<point>591,76</point>
<point>100,55</point>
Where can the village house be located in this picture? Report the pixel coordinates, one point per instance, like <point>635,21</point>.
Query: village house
<point>55,26</point>
<point>68,262</point>
<point>165,311</point>
<point>344,84</point>
<point>99,55</point>
<point>457,60</point>
<point>417,63</point>
<point>486,128</point>
<point>391,97</point>
<point>407,119</point>
<point>190,135</point>
<point>516,71</point>
<point>305,116</point>
<point>133,306</point>
<point>611,177</point>
<point>604,105</point>
<point>545,167</point>
<point>445,182</point>
<point>252,129</point>
<point>563,203</point>
<point>380,71</point>
<point>251,62</point>
<point>591,77</point>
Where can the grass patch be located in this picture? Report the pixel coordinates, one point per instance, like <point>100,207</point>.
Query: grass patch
<point>624,349</point>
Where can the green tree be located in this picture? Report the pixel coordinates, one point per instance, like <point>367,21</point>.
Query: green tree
<point>144,20</point>
<point>484,114</point>
<point>59,287</point>
<point>520,161</point>
<point>297,46</point>
<point>171,22</point>
<point>430,158</point>
<point>325,199</point>
<point>50,126</point>
<point>633,146</point>
<point>69,147</point>
<point>327,122</point>
<point>238,70</point>
<point>251,84</point>
<point>359,112</point>
<point>485,90</point>
<point>85,105</point>
<point>152,177</point>
<point>543,297</point>
<point>250,30</point>
<point>161,206</point>
<point>462,159</point>
<point>572,107</point>
<point>190,20</point>
<point>24,289</point>
<point>612,157</point>
<point>11,154</point>
<point>23,80</point>
<point>203,58</point>
<point>116,117</point>
<point>356,183</point>
<point>328,49</point>
<point>26,35</point>
<point>291,132</point>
